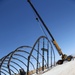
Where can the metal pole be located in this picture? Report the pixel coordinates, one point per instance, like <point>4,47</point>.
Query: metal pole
<point>47,54</point>
<point>37,58</point>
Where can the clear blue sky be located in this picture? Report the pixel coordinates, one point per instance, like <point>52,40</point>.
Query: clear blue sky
<point>18,25</point>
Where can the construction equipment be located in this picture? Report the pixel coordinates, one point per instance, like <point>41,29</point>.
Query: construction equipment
<point>22,72</point>
<point>63,56</point>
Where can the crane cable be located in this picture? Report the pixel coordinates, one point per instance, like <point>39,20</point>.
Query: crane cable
<point>41,27</point>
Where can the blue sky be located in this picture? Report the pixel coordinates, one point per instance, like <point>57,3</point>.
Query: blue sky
<point>18,25</point>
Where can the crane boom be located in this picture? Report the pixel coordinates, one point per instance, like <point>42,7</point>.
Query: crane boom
<point>53,40</point>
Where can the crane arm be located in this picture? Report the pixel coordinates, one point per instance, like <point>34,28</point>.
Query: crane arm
<point>41,20</point>
<point>53,40</point>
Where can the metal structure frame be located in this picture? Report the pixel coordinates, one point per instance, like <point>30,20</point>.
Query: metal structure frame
<point>32,59</point>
